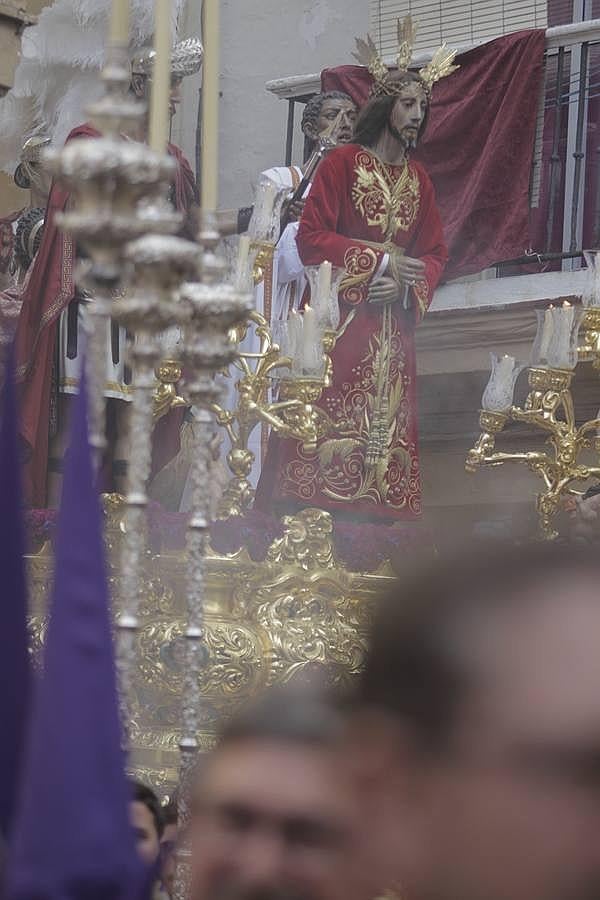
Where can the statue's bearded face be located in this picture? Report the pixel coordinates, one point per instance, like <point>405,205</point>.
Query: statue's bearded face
<point>408,114</point>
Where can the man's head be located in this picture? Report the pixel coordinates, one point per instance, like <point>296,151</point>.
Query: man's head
<point>402,114</point>
<point>186,59</point>
<point>140,86</point>
<point>273,816</point>
<point>31,174</point>
<point>146,818</point>
<point>323,110</point>
<point>482,686</point>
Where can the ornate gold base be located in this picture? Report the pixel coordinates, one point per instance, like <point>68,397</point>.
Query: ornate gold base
<point>589,349</point>
<point>493,422</point>
<point>303,389</point>
<point>546,379</point>
<point>266,623</point>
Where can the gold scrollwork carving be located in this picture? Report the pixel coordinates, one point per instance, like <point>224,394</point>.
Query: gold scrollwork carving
<point>265,623</point>
<point>307,541</point>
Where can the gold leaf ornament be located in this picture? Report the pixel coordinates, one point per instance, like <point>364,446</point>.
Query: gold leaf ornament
<point>367,55</point>
<point>441,65</point>
<point>407,35</point>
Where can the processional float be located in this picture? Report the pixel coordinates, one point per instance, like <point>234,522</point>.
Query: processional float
<point>198,632</point>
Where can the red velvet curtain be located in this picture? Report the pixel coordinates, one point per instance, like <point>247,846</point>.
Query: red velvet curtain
<point>478,146</point>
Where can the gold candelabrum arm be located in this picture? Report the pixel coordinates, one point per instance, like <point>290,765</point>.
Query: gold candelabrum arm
<point>265,250</point>
<point>290,410</point>
<point>548,407</point>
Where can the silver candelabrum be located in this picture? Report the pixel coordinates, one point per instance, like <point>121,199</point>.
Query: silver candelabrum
<point>138,272</point>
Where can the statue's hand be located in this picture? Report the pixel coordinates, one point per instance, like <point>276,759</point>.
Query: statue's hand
<point>294,210</point>
<point>386,290</point>
<point>406,270</point>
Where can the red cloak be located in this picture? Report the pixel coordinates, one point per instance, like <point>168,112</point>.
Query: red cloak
<point>355,201</point>
<point>48,291</point>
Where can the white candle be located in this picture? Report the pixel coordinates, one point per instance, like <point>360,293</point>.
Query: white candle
<point>311,350</point>
<point>241,272</point>
<point>161,78</point>
<point>591,293</point>
<point>210,104</point>
<point>324,291</point>
<point>266,195</point>
<point>498,395</point>
<point>294,347</point>
<point>119,23</point>
<point>559,352</point>
<point>505,370</point>
<point>546,333</point>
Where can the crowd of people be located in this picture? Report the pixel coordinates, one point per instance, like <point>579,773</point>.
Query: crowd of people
<point>463,764</point>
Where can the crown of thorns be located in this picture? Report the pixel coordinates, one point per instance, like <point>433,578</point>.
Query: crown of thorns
<point>386,81</point>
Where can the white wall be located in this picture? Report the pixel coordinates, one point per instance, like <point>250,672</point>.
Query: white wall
<point>262,40</point>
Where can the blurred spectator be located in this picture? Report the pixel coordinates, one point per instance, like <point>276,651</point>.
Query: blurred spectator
<point>273,814</point>
<point>146,818</point>
<point>168,846</point>
<point>479,728</point>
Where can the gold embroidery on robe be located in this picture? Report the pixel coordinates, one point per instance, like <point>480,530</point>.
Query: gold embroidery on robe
<point>421,290</point>
<point>337,468</point>
<point>360,264</point>
<point>384,199</point>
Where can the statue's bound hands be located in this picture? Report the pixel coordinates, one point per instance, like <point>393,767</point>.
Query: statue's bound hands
<point>386,290</point>
<point>406,270</point>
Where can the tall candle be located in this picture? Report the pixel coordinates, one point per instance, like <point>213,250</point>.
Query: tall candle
<point>569,320</point>
<point>119,23</point>
<point>559,351</point>
<point>294,347</point>
<point>264,203</point>
<point>210,105</point>
<point>325,271</point>
<point>310,350</point>
<point>546,333</point>
<point>498,395</point>
<point>161,77</point>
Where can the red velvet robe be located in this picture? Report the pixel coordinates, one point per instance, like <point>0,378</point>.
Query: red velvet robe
<point>366,464</point>
<point>48,291</point>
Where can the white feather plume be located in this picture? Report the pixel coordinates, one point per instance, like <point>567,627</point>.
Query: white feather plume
<point>56,77</point>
